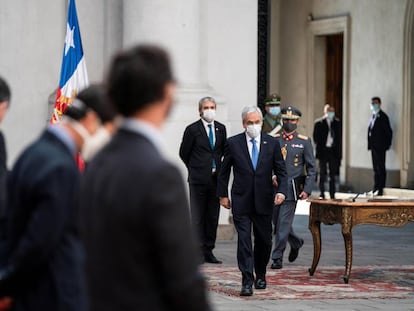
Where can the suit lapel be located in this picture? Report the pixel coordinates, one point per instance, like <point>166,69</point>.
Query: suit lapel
<point>219,136</point>
<point>263,148</point>
<point>245,150</point>
<point>326,127</point>
<point>203,133</point>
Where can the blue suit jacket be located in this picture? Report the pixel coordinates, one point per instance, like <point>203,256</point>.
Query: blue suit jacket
<point>42,230</point>
<point>252,190</point>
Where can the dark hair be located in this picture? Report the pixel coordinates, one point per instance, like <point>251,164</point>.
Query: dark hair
<point>376,98</point>
<point>92,98</point>
<point>4,91</point>
<point>137,77</point>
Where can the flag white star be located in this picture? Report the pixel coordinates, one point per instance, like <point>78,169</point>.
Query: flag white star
<point>69,38</point>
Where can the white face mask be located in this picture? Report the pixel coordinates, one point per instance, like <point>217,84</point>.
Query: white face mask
<point>95,143</point>
<point>209,115</point>
<point>82,131</point>
<point>253,130</point>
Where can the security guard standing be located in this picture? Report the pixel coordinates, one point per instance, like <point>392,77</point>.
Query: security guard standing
<point>272,123</point>
<point>297,151</point>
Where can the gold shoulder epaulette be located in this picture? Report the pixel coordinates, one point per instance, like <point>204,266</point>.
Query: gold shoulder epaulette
<point>302,137</point>
<point>277,135</point>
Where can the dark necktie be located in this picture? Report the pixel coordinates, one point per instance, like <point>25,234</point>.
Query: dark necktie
<point>255,153</point>
<point>210,136</point>
<point>371,123</point>
<point>211,139</point>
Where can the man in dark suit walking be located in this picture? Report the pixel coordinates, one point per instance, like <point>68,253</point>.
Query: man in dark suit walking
<point>202,150</point>
<point>379,141</point>
<point>43,264</point>
<point>254,157</point>
<point>141,251</point>
<point>327,135</point>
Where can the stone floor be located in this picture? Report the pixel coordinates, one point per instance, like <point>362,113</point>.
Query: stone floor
<point>372,245</point>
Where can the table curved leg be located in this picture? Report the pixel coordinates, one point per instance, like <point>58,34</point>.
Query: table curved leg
<point>347,234</point>
<point>315,229</point>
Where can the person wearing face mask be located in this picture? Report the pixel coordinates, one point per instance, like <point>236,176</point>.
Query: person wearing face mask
<point>327,137</point>
<point>379,141</point>
<point>94,143</point>
<point>254,158</point>
<point>201,150</point>
<point>43,267</point>
<point>272,122</point>
<point>297,152</point>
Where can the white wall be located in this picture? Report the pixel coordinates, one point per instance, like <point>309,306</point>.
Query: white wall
<point>376,50</point>
<point>30,62</point>
<point>32,35</point>
<point>232,55</point>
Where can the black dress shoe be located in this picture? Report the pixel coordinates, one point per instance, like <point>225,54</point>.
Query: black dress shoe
<point>210,258</point>
<point>277,264</point>
<point>294,252</point>
<point>246,290</point>
<point>260,283</point>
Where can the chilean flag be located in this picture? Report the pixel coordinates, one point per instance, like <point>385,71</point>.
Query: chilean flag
<point>73,74</point>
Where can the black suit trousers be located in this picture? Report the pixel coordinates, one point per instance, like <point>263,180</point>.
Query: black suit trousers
<point>249,257</point>
<point>205,210</point>
<point>380,173</point>
<point>328,163</point>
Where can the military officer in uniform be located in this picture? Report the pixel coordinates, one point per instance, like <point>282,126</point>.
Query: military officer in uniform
<point>272,123</point>
<point>297,151</point>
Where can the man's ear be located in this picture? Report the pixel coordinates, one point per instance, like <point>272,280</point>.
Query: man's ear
<point>169,90</point>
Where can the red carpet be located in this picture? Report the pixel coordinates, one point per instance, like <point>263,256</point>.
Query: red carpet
<point>365,282</point>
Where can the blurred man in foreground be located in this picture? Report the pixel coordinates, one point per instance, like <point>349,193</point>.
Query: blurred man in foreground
<point>141,251</point>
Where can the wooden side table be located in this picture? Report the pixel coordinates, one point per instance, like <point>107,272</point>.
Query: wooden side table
<point>349,213</point>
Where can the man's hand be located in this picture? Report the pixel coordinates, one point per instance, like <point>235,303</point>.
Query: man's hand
<point>279,198</point>
<point>225,202</point>
<point>274,180</point>
<point>303,195</point>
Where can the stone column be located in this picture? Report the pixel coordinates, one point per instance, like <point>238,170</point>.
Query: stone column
<point>181,27</point>
<point>173,24</point>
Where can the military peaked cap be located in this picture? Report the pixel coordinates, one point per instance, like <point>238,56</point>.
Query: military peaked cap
<point>291,113</point>
<point>272,99</point>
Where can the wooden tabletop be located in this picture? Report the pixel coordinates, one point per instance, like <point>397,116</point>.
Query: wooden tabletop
<point>365,202</point>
